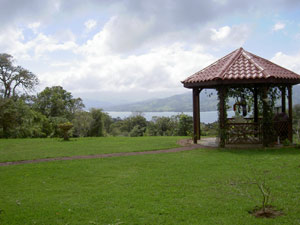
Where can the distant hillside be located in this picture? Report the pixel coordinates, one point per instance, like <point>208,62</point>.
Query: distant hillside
<point>182,103</point>
<point>175,103</point>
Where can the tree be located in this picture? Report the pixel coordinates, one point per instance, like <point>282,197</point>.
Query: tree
<point>82,123</point>
<point>137,131</point>
<point>107,122</point>
<point>124,127</point>
<point>96,129</point>
<point>18,120</point>
<point>13,77</point>
<point>130,122</point>
<point>57,102</point>
<point>185,125</point>
<point>8,116</point>
<point>162,126</point>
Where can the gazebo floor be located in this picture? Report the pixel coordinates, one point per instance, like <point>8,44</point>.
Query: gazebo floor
<point>213,142</point>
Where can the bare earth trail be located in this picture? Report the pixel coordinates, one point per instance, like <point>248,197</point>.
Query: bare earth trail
<point>180,149</point>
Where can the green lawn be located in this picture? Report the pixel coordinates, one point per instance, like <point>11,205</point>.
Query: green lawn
<point>193,187</point>
<point>22,149</point>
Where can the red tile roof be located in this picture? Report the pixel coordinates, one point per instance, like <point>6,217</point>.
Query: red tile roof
<point>241,65</point>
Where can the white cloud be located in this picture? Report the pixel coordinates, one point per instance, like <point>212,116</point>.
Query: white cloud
<point>226,36</point>
<point>90,24</point>
<point>122,34</point>
<point>143,49</point>
<point>278,26</point>
<point>34,26</point>
<point>221,33</point>
<point>64,36</point>
<point>11,42</point>
<point>125,35</point>
<point>41,45</point>
<point>100,66</point>
<point>156,73</point>
<point>291,62</point>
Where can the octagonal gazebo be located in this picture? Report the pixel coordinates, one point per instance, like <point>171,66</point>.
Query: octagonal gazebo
<point>242,69</point>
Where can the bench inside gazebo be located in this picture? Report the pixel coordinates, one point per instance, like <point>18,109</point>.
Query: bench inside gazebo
<point>251,76</point>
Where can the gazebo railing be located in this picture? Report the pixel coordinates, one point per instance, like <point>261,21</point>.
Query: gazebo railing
<point>251,133</point>
<point>244,133</point>
<point>281,130</point>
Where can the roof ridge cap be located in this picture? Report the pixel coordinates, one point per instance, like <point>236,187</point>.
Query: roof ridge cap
<point>214,63</point>
<point>273,63</point>
<point>256,64</point>
<point>226,67</point>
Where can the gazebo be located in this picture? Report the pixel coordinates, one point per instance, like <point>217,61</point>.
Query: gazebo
<point>242,69</point>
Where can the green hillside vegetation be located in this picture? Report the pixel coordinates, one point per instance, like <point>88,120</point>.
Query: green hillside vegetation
<point>175,103</point>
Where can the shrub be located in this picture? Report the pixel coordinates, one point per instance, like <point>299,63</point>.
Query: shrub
<point>65,127</point>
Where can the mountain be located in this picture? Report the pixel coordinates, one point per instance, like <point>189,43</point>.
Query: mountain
<point>96,104</point>
<point>175,103</point>
<point>182,103</point>
<point>100,104</point>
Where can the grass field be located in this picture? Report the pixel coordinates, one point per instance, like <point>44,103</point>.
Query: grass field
<point>194,187</point>
<point>22,149</point>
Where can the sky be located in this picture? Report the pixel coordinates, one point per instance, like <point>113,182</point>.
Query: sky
<point>120,51</point>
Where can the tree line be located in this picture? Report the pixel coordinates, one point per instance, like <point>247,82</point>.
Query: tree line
<point>41,115</point>
<point>23,115</point>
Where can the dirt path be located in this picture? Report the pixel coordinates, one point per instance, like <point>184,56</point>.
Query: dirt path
<point>186,147</point>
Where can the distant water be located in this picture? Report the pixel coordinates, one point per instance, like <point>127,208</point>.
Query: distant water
<point>205,117</point>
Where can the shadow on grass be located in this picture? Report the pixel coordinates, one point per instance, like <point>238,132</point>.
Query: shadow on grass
<point>263,151</point>
<point>67,141</point>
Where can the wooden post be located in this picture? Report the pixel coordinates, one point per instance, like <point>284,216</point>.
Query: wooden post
<point>255,114</point>
<point>196,114</point>
<point>267,121</point>
<point>255,106</point>
<point>265,114</point>
<point>222,116</point>
<point>290,113</point>
<point>283,96</point>
<point>198,122</point>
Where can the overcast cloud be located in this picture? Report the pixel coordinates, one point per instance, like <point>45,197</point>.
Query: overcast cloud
<point>132,50</point>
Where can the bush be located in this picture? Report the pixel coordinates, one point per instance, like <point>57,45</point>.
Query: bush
<point>137,131</point>
<point>65,127</point>
<point>286,142</point>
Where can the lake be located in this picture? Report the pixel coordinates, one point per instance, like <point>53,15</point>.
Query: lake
<point>205,117</point>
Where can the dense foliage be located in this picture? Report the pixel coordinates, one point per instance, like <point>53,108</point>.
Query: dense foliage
<point>55,112</point>
<point>43,117</point>
<point>45,114</point>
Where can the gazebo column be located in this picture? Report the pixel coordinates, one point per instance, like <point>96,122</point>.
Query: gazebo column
<point>222,91</point>
<point>255,109</point>
<point>255,112</point>
<point>266,117</point>
<point>196,114</point>
<point>290,113</point>
<point>283,96</point>
<point>198,122</point>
